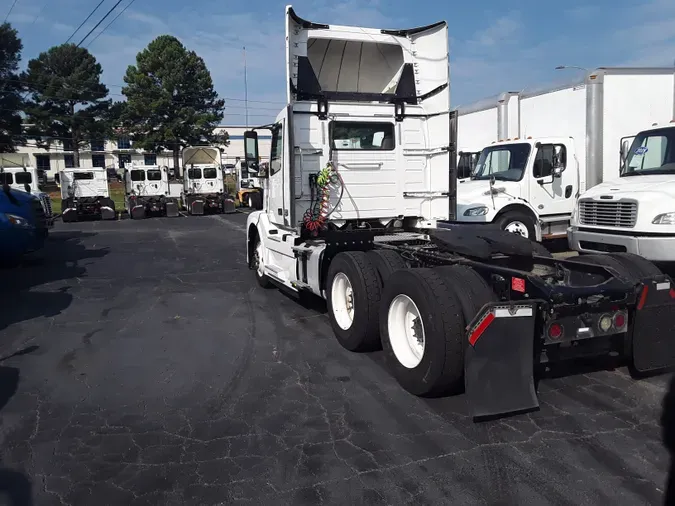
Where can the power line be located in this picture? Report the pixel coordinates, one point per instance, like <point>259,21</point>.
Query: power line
<point>83,22</point>
<point>39,12</point>
<point>101,21</point>
<point>10,10</point>
<point>108,25</point>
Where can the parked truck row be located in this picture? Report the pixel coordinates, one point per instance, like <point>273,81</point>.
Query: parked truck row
<point>149,190</point>
<point>562,162</point>
<point>363,170</point>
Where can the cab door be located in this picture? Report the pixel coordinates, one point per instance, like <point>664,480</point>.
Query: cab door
<point>554,180</point>
<point>277,207</point>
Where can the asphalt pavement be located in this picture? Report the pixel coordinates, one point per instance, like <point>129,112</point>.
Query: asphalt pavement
<point>140,363</point>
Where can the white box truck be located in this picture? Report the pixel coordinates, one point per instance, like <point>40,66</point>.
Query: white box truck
<point>549,146</point>
<point>362,166</point>
<point>635,212</point>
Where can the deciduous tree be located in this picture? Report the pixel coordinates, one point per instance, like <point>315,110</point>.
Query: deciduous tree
<point>171,102</point>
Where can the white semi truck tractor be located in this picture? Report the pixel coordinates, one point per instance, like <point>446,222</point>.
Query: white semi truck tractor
<point>362,167</point>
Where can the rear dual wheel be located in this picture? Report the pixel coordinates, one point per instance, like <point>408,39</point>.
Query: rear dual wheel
<point>419,315</point>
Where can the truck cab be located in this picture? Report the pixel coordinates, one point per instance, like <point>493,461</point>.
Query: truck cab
<point>85,193</point>
<point>30,180</point>
<point>525,186</point>
<point>634,213</point>
<point>203,183</point>
<point>23,224</point>
<point>148,192</point>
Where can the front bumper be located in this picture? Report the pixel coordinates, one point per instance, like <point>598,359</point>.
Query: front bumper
<point>15,242</point>
<point>656,249</point>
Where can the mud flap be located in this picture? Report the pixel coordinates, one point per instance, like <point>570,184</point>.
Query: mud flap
<point>653,331</point>
<point>69,215</point>
<point>499,361</point>
<point>171,209</point>
<point>197,207</point>
<point>107,213</point>
<point>228,206</point>
<point>138,212</point>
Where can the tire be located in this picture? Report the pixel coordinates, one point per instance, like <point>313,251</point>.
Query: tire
<point>261,278</point>
<point>470,288</point>
<point>354,275</point>
<point>520,220</point>
<point>386,262</point>
<point>257,201</point>
<point>539,250</point>
<point>249,200</point>
<point>438,367</point>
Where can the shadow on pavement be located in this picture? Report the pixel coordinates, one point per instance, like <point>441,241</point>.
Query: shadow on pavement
<point>14,485</point>
<point>58,261</point>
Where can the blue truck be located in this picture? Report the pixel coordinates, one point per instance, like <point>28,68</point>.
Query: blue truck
<point>23,224</point>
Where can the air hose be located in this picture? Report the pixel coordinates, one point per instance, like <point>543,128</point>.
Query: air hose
<point>316,216</point>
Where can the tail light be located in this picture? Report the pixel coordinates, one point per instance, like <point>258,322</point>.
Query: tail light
<point>620,320</point>
<point>555,331</point>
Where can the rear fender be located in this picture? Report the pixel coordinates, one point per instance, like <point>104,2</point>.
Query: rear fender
<point>499,360</point>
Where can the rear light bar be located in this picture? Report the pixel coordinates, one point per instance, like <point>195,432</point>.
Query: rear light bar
<point>573,327</point>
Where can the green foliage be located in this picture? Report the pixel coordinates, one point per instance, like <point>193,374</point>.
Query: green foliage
<point>171,102</point>
<point>67,99</point>
<point>11,101</point>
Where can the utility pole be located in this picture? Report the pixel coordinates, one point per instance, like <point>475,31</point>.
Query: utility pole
<point>245,88</point>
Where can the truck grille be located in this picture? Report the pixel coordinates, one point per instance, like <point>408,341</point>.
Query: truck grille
<point>40,216</point>
<point>46,204</point>
<point>608,214</point>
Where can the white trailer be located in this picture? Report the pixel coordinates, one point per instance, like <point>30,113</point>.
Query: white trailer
<point>148,192</point>
<point>203,183</point>
<point>575,135</point>
<point>85,193</point>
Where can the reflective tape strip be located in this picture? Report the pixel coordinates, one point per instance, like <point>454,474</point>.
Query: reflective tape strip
<point>514,312</point>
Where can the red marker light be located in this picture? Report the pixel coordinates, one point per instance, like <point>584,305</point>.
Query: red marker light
<point>619,320</point>
<point>555,331</point>
<point>518,285</point>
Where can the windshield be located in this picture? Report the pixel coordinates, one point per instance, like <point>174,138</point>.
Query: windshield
<point>23,178</point>
<point>154,175</point>
<point>652,152</point>
<point>504,163</point>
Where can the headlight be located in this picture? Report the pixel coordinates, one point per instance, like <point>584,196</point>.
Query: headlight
<point>476,211</point>
<point>18,221</point>
<point>664,219</point>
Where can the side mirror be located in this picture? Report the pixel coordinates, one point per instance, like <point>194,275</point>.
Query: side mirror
<point>27,188</point>
<point>251,154</point>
